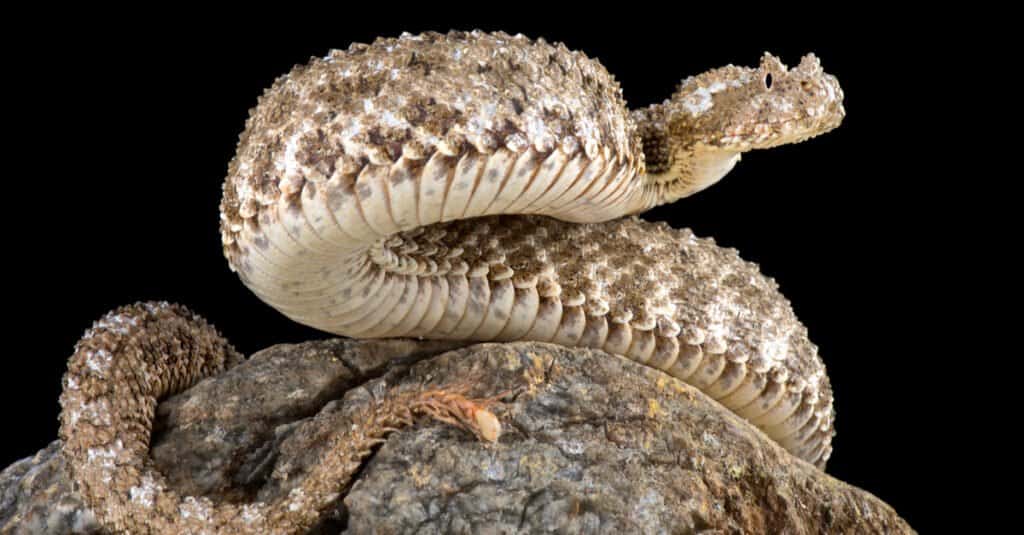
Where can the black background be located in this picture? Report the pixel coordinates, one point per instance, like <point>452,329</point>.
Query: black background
<point>125,127</point>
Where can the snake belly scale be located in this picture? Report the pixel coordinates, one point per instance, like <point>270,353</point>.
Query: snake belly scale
<point>482,186</point>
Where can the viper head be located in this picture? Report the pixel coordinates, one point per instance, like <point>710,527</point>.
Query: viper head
<point>738,108</point>
<point>695,138</point>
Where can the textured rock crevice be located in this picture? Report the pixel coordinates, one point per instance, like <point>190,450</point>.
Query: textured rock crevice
<point>592,443</point>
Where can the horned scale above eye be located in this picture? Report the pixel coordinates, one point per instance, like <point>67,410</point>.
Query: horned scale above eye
<point>475,186</point>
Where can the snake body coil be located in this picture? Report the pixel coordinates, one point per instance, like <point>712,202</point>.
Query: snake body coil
<point>474,186</point>
<point>369,194</point>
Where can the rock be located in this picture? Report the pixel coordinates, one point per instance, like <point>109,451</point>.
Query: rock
<point>592,443</point>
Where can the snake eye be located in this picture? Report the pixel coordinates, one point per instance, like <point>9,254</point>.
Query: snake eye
<point>768,81</point>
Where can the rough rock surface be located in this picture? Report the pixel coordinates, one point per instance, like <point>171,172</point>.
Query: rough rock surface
<point>593,444</point>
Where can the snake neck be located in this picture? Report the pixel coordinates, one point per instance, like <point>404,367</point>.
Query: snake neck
<point>677,165</point>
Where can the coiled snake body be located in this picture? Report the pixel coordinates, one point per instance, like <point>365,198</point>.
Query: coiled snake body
<point>471,186</point>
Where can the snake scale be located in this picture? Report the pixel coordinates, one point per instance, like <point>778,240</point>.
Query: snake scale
<point>474,186</point>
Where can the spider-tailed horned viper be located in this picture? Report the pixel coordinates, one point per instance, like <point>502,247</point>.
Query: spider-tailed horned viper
<point>467,186</point>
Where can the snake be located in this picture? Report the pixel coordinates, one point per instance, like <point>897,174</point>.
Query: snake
<point>468,186</point>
